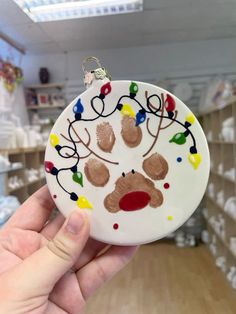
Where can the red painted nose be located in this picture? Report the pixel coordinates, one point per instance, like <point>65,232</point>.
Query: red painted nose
<point>134,201</point>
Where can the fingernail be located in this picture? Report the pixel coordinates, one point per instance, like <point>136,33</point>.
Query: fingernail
<point>75,223</point>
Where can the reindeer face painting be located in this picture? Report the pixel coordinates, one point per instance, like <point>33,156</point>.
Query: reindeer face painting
<point>132,156</point>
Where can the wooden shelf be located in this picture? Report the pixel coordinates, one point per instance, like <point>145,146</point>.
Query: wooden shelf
<point>4,171</point>
<point>223,241</point>
<point>45,99</point>
<point>223,176</point>
<point>221,208</point>
<point>45,107</point>
<point>214,108</point>
<point>221,142</point>
<point>45,86</point>
<point>11,151</point>
<point>27,184</point>
<point>41,148</point>
<point>33,149</point>
<point>32,157</point>
<point>16,189</point>
<point>16,151</point>
<point>223,155</point>
<point>35,181</point>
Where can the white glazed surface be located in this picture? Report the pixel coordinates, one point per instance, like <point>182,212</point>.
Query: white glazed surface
<point>186,184</point>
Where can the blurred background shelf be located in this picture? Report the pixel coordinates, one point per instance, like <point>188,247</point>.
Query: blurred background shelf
<point>221,224</point>
<point>30,158</point>
<point>220,208</point>
<point>223,176</point>
<point>46,86</point>
<point>45,107</point>
<point>7,170</point>
<point>222,240</point>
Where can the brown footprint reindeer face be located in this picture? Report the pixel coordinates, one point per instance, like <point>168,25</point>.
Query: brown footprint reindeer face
<point>133,191</point>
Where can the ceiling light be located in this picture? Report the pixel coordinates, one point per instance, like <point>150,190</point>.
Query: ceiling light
<point>52,10</point>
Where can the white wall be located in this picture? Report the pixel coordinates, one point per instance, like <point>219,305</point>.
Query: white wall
<point>150,62</point>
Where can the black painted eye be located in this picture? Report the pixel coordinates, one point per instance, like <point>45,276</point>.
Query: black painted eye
<point>133,171</point>
<point>123,174</point>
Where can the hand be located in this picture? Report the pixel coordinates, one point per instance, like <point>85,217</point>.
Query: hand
<point>52,267</point>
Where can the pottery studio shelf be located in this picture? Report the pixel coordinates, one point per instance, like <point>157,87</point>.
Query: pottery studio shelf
<point>10,169</point>
<point>54,100</point>
<point>25,185</point>
<point>45,107</point>
<point>29,158</point>
<point>222,240</point>
<point>223,155</point>
<point>46,86</point>
<point>222,176</point>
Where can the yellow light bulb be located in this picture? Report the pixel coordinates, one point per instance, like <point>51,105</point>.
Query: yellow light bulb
<point>190,118</point>
<point>127,111</point>
<point>195,160</point>
<point>82,202</point>
<point>54,140</point>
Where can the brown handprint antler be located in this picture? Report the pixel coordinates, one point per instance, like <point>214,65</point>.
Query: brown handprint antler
<point>86,145</point>
<point>160,127</point>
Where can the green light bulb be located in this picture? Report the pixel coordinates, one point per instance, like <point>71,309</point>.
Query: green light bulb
<point>178,138</point>
<point>133,88</point>
<point>78,178</point>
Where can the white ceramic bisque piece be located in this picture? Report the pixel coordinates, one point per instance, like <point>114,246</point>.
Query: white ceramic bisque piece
<point>132,156</point>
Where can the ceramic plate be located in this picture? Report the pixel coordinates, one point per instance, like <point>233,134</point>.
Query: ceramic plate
<point>131,155</point>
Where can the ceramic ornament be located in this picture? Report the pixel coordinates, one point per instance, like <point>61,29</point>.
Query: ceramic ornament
<point>131,155</point>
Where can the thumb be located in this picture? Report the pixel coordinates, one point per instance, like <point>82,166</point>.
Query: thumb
<point>46,266</point>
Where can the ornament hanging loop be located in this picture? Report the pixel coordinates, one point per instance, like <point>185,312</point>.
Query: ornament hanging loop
<point>90,59</point>
<point>99,73</point>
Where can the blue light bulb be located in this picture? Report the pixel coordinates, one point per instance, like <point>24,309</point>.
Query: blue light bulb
<point>78,107</point>
<point>140,117</point>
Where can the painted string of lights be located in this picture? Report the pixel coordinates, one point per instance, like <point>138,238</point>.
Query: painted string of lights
<point>77,176</point>
<point>167,105</point>
<point>165,111</point>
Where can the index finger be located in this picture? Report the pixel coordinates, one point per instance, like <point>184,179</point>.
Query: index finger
<point>34,212</point>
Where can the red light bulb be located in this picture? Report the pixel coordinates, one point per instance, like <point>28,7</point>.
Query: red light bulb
<point>105,89</point>
<point>48,165</point>
<point>169,103</point>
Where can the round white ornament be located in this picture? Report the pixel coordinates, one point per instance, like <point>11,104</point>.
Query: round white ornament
<point>132,156</point>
